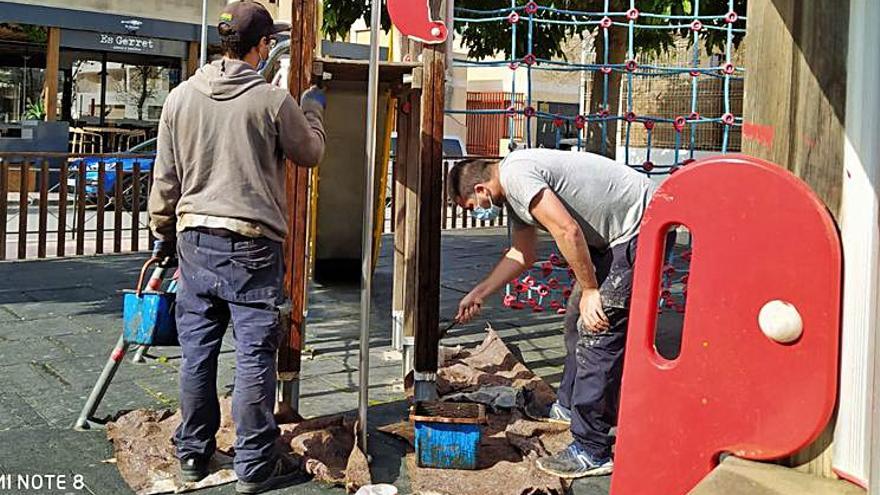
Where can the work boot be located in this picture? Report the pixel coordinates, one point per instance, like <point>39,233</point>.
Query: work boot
<point>194,468</point>
<point>559,414</point>
<point>575,462</point>
<point>286,471</point>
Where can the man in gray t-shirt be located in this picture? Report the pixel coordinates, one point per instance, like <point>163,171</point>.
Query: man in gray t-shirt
<point>592,206</point>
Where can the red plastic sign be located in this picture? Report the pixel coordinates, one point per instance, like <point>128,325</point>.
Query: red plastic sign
<point>413,19</point>
<point>760,236</point>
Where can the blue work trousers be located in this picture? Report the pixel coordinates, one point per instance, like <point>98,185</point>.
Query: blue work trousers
<point>226,277</point>
<point>591,375</point>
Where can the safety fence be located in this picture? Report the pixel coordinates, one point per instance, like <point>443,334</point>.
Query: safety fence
<point>452,216</point>
<point>62,204</point>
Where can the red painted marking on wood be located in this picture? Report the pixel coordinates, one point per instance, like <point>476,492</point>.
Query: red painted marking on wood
<point>763,134</point>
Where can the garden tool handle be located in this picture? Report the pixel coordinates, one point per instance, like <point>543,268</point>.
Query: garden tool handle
<point>140,283</point>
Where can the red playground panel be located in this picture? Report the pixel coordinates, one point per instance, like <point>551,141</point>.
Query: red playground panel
<point>413,18</point>
<point>760,236</point>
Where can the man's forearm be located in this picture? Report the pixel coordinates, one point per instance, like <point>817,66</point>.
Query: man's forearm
<point>574,248</point>
<point>506,270</point>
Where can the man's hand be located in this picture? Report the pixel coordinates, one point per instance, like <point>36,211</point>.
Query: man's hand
<point>164,251</point>
<point>469,307</point>
<point>591,311</point>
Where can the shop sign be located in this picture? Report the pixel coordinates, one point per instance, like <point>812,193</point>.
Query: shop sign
<point>122,43</point>
<point>126,43</point>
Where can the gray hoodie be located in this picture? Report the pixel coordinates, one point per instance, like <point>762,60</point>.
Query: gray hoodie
<point>223,136</point>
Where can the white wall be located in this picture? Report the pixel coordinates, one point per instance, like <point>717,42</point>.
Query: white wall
<point>857,433</point>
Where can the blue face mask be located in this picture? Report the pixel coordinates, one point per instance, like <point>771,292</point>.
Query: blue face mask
<point>486,214</point>
<point>261,65</point>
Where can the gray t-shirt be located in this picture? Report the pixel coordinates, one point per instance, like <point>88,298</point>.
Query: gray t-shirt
<point>606,198</point>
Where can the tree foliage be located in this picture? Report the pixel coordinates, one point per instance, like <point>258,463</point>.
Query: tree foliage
<point>489,39</point>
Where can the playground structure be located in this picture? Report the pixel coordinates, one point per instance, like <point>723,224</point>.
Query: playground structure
<point>530,15</point>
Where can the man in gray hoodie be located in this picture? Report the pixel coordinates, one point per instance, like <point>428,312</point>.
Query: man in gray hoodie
<point>219,203</point>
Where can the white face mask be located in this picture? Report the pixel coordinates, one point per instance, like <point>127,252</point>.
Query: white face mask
<point>486,214</point>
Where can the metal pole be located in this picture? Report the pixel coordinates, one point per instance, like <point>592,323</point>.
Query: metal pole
<point>100,388</point>
<point>203,47</point>
<point>367,237</point>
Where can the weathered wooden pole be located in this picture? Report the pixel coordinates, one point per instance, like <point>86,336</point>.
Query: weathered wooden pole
<point>302,48</point>
<point>50,84</point>
<point>429,201</point>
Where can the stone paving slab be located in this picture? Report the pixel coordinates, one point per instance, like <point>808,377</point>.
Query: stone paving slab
<point>60,318</point>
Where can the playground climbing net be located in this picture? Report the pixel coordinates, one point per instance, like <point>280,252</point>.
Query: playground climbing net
<point>531,14</point>
<point>548,284</point>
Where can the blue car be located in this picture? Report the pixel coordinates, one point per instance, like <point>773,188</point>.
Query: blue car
<point>91,184</point>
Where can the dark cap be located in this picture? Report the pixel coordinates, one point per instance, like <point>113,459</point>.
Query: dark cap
<point>250,20</point>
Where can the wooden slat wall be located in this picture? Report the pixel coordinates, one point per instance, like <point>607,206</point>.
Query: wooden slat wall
<point>795,94</point>
<point>794,103</point>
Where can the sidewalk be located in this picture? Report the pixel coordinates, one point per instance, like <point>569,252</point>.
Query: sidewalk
<point>60,318</point>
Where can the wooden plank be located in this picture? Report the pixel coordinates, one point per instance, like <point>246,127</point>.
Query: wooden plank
<point>192,58</point>
<point>24,172</point>
<point>50,81</point>
<point>794,114</point>
<point>135,205</point>
<point>4,207</point>
<point>735,475</point>
<point>101,199</point>
<point>410,225</point>
<point>794,96</point>
<point>302,47</point>
<point>61,238</point>
<point>117,207</point>
<point>44,209</point>
<point>430,196</point>
<point>80,206</point>
<point>405,172</point>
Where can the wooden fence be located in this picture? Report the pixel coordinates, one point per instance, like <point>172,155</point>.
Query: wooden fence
<point>58,204</point>
<point>452,216</point>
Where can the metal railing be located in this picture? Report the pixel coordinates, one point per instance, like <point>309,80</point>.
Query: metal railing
<point>63,204</point>
<point>67,204</point>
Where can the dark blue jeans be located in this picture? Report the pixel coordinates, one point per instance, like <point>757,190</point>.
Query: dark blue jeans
<point>227,278</point>
<point>591,376</point>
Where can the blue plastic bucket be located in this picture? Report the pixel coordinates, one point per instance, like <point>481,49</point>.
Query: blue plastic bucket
<point>148,318</point>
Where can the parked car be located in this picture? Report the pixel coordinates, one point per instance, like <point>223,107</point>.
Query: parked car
<point>91,184</point>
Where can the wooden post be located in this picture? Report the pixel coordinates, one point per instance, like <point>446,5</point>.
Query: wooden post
<point>50,82</point>
<point>795,94</point>
<point>794,114</point>
<point>302,47</point>
<point>406,171</point>
<point>427,235</point>
<point>192,58</point>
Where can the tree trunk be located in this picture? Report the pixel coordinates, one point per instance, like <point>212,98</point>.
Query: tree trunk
<point>142,98</point>
<point>617,54</point>
<point>145,73</point>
